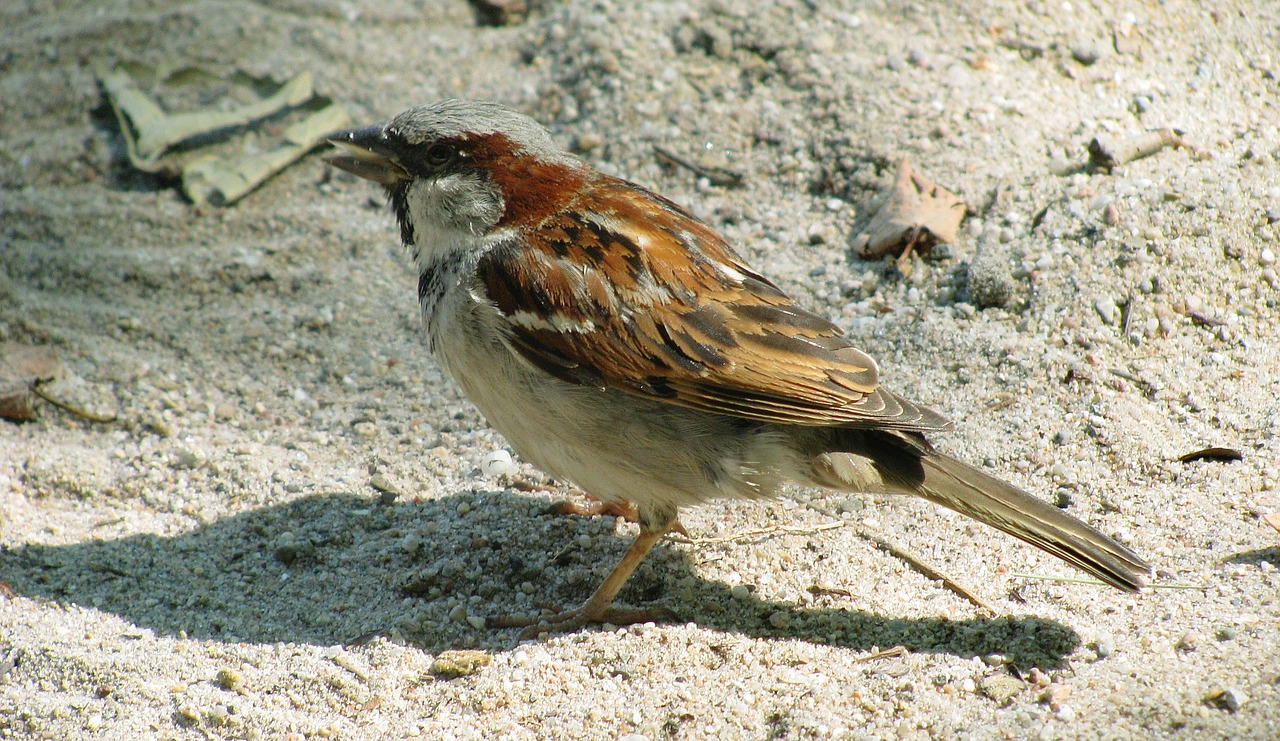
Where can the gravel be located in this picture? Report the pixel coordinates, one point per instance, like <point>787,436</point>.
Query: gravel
<point>297,527</point>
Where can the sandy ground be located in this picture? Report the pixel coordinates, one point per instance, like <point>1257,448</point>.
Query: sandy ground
<point>220,562</point>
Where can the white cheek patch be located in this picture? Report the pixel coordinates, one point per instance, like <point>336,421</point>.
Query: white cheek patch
<point>440,229</point>
<point>447,208</point>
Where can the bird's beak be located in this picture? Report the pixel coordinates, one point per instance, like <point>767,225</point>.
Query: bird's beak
<point>367,152</point>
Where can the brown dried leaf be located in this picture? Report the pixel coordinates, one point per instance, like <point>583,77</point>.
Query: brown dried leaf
<point>1273,519</point>
<point>21,367</point>
<point>918,215</point>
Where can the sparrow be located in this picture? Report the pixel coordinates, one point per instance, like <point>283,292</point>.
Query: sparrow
<point>621,344</point>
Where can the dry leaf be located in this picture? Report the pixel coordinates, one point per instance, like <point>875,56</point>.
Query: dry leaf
<point>918,215</point>
<point>21,367</point>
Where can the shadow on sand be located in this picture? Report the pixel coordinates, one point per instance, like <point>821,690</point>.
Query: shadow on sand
<point>328,569</point>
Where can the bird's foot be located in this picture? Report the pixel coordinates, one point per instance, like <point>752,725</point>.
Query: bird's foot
<point>596,508</point>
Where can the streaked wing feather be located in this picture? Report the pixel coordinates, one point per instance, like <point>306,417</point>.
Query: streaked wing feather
<point>643,298</point>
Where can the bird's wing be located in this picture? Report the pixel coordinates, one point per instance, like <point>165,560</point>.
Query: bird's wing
<point>635,294</point>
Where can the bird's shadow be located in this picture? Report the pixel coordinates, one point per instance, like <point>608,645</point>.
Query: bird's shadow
<point>327,569</point>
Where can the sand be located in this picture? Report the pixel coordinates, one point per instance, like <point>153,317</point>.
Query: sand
<point>293,518</point>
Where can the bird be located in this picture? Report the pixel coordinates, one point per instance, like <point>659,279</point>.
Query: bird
<point>621,344</point>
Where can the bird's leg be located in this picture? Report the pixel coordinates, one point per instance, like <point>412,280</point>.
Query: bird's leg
<point>597,608</point>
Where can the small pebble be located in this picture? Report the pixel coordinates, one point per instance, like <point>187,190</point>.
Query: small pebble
<point>1055,695</point>
<point>286,548</point>
<point>187,458</point>
<point>1267,257</point>
<point>498,463</point>
<point>1086,52</point>
<point>458,613</point>
<point>1227,634</point>
<point>1228,698</point>
<point>1037,678</point>
<point>740,592</point>
<point>990,282</point>
<point>230,678</point>
<point>1104,646</point>
<point>387,491</point>
<point>1189,641</point>
<point>1111,214</point>
<point>454,664</point>
<point>780,619</point>
<point>1108,310</point>
<point>588,142</point>
<point>188,713</point>
<point>1001,688</point>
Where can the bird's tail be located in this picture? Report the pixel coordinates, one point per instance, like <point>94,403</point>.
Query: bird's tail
<point>971,492</point>
<point>897,463</point>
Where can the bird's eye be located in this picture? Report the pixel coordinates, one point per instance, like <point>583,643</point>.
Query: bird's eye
<point>440,154</point>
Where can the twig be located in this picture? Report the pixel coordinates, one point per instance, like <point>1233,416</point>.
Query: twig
<point>73,409</point>
<point>921,567</point>
<point>1096,583</point>
<point>719,176</point>
<point>876,653</point>
<point>865,532</point>
<point>927,571</point>
<point>1000,401</point>
<point>762,532</point>
<point>1027,49</point>
<point>1106,153</point>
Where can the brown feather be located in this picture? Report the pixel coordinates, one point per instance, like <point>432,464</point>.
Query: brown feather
<point>706,332</point>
